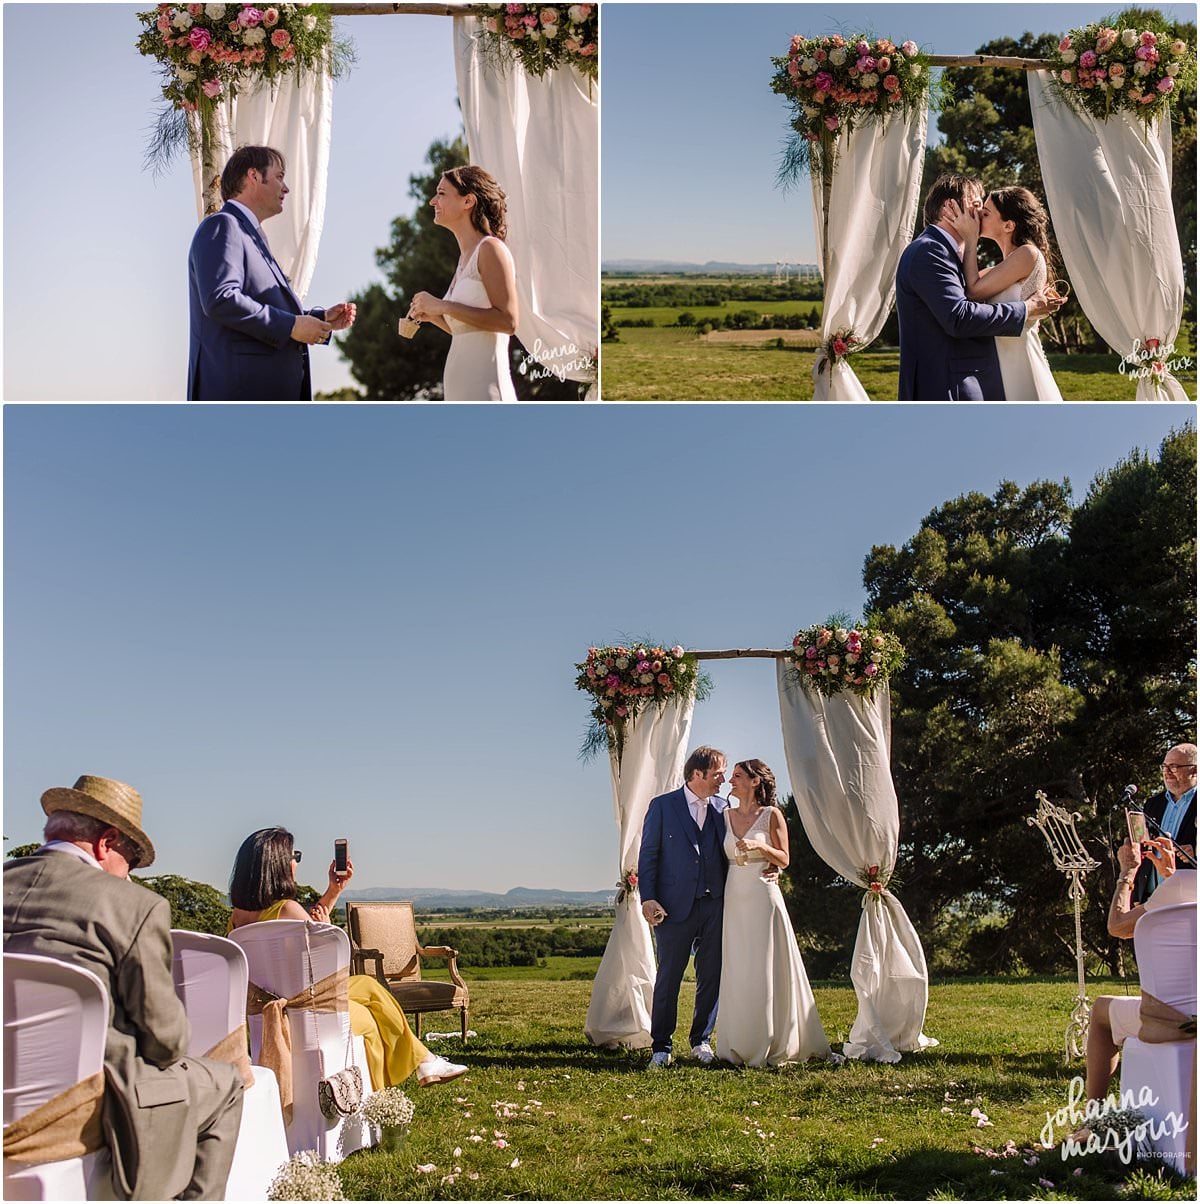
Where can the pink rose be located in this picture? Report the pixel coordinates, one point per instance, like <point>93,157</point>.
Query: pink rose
<point>1064,45</point>
<point>1151,344</point>
<point>549,16</point>
<point>1149,39</point>
<point>883,65</point>
<point>862,47</point>
<point>194,10</point>
<point>823,81</point>
<point>1116,70</point>
<point>909,48</point>
<point>280,38</point>
<point>877,888</point>
<point>832,123</point>
<point>1166,84</point>
<point>893,97</point>
<point>1149,98</point>
<point>664,679</point>
<point>270,17</point>
<point>1087,59</point>
<point>865,64</point>
<point>188,106</point>
<point>797,44</point>
<point>163,23</point>
<point>195,57</point>
<point>820,56</point>
<point>199,39</point>
<point>249,17</point>
<point>870,670</point>
<point>834,661</point>
<point>810,652</point>
<point>1067,77</point>
<point>212,88</point>
<point>796,642</point>
<point>1106,41</point>
<point>839,347</point>
<point>622,711</point>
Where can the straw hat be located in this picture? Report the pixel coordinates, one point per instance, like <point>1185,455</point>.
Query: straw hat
<point>109,801</point>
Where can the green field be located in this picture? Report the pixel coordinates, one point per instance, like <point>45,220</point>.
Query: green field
<point>667,315</point>
<point>581,1123</point>
<point>673,364</point>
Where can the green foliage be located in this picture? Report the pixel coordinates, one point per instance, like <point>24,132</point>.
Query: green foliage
<point>24,850</point>
<point>608,331</point>
<point>517,946</point>
<point>194,905</point>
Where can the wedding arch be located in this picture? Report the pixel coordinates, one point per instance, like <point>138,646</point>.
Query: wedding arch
<point>529,107</point>
<point>835,716</point>
<point>1106,167</point>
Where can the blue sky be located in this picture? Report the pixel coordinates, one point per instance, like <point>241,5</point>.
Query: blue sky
<point>95,248</point>
<point>363,621</point>
<point>692,132</point>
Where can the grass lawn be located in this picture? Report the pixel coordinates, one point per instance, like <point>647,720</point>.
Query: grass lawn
<point>673,365</point>
<point>666,315</point>
<point>582,1123</point>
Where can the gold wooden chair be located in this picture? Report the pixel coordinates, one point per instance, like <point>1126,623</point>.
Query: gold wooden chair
<point>385,934</point>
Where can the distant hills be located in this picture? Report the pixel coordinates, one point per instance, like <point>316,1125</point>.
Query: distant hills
<point>518,897</point>
<point>713,267</point>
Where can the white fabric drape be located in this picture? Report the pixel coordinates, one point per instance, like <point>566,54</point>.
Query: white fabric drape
<point>1108,189</point>
<point>838,757</point>
<point>873,207</point>
<point>652,764</point>
<point>296,118</point>
<point>541,139</point>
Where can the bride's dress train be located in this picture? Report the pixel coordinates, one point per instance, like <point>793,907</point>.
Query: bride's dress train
<point>1023,365</point>
<point>477,367</point>
<point>766,1014</point>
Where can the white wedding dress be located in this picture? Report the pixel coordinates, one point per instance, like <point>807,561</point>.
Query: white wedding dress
<point>766,1014</point>
<point>1023,366</point>
<point>477,366</point>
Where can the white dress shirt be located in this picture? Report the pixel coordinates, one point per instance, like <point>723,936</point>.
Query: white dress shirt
<point>698,806</point>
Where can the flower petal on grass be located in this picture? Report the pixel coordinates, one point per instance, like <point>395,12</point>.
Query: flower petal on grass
<point>516,1162</point>
<point>426,1168</point>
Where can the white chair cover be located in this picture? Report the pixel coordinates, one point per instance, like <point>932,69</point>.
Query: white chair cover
<point>55,1027</point>
<point>541,139</point>
<point>652,764</point>
<point>321,1041</point>
<point>873,208</point>
<point>838,754</point>
<point>1108,189</point>
<point>1165,943</point>
<point>296,118</point>
<point>211,976</point>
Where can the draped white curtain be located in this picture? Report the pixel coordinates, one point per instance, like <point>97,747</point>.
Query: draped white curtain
<point>541,139</point>
<point>838,754</point>
<point>652,764</point>
<point>873,207</point>
<point>296,118</point>
<point>1108,189</point>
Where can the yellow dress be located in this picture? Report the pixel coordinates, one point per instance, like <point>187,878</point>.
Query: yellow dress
<point>393,1051</point>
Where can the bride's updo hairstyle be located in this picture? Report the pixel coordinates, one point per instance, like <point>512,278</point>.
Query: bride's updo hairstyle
<point>490,213</point>
<point>1031,222</point>
<point>764,792</point>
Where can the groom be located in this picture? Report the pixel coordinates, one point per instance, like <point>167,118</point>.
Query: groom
<point>947,343</point>
<point>249,333</point>
<point>681,877</point>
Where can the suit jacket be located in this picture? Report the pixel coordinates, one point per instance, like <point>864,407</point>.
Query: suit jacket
<point>242,310</point>
<point>58,906</point>
<point>669,860</point>
<point>1155,808</point>
<point>947,343</point>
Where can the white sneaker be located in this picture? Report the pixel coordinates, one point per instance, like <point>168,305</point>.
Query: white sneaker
<point>703,1053</point>
<point>660,1061</point>
<point>438,1070</point>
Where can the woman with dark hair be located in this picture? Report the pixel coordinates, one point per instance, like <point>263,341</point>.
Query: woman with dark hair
<point>767,1014</point>
<point>1016,221</point>
<point>263,887</point>
<point>479,310</point>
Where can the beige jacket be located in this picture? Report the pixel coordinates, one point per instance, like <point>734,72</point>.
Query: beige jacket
<point>58,906</point>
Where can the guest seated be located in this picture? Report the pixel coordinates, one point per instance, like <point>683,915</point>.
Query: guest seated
<point>263,887</point>
<point>1116,1017</point>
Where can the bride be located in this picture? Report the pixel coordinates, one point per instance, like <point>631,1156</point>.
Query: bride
<point>1015,220</point>
<point>767,1012</point>
<point>479,310</point>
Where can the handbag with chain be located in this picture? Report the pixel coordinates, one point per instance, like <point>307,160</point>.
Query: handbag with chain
<point>341,1093</point>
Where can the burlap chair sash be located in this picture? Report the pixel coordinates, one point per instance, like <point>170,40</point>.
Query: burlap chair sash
<point>67,1126</point>
<point>233,1049</point>
<point>1162,1024</point>
<point>330,994</point>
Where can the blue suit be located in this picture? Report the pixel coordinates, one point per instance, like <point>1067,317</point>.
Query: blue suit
<point>947,343</point>
<point>683,867</point>
<point>242,310</point>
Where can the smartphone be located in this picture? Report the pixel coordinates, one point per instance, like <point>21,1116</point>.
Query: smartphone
<point>1138,833</point>
<point>341,857</point>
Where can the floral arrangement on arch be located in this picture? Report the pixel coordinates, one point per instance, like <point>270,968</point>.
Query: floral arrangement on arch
<point>623,680</point>
<point>543,37</point>
<point>835,83</point>
<point>831,657</point>
<point>1130,63</point>
<point>209,51</point>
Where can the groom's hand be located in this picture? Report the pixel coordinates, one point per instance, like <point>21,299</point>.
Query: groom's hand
<point>341,316</point>
<point>307,329</point>
<point>653,912</point>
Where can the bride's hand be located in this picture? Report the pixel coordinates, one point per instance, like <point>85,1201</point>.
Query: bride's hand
<point>426,306</point>
<point>964,222</point>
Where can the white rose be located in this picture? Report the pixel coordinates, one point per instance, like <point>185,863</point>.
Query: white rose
<point>310,22</point>
<point>1172,68</point>
<point>253,36</point>
<point>1068,56</point>
<point>1102,85</point>
<point>181,20</point>
<point>809,65</point>
<point>915,70</point>
<point>186,75</point>
<point>869,80</point>
<point>1117,81</point>
<point>811,111</point>
<point>837,56</point>
<point>576,13</point>
<point>1129,37</point>
<point>215,12</point>
<point>622,662</point>
<point>646,678</point>
<point>1141,67</point>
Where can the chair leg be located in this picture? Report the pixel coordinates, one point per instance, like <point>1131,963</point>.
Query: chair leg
<point>417,1017</point>
<point>464,1025</point>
